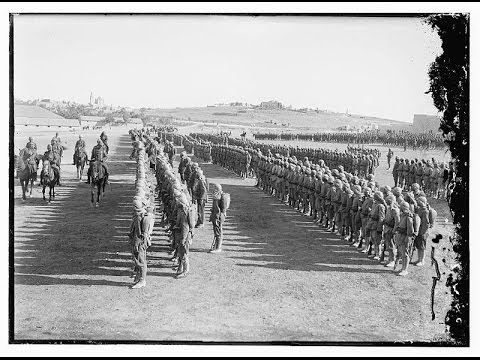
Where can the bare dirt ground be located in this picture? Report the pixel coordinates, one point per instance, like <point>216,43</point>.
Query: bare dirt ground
<point>280,278</point>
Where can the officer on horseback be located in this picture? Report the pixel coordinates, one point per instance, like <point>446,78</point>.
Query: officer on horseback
<point>57,148</point>
<point>54,159</point>
<point>79,148</point>
<point>104,138</point>
<point>31,144</point>
<point>98,153</point>
<point>29,155</point>
<point>56,138</point>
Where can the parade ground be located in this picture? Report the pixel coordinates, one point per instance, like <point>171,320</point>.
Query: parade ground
<point>279,277</point>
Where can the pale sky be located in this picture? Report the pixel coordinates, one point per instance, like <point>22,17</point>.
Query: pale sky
<point>370,66</point>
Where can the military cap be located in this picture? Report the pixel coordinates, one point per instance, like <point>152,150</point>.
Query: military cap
<point>378,196</point>
<point>390,199</point>
<point>404,206</point>
<point>397,191</point>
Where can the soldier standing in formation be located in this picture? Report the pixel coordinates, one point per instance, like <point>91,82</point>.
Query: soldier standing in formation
<point>217,218</point>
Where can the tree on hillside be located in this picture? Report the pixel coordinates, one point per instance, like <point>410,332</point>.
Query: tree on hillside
<point>109,119</point>
<point>449,87</point>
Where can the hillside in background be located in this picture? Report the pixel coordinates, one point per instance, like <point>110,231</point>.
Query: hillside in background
<point>275,119</point>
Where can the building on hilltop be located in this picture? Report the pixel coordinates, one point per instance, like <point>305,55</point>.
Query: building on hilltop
<point>97,102</point>
<point>271,105</point>
<point>426,123</point>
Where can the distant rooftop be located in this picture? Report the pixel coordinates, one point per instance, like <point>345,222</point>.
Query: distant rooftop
<point>30,115</point>
<point>31,111</point>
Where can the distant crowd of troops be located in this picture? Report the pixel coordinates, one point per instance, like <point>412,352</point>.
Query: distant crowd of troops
<point>401,138</point>
<point>386,224</point>
<point>239,155</point>
<point>432,176</point>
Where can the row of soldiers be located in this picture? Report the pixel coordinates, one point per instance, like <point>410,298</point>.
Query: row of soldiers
<point>183,200</point>
<point>359,161</point>
<point>143,219</point>
<point>432,176</point>
<point>428,140</point>
<point>377,220</point>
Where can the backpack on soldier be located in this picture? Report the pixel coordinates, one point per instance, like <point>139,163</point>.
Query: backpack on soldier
<point>432,215</point>
<point>225,202</point>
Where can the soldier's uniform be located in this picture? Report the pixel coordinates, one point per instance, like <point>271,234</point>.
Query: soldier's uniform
<point>395,171</point>
<point>377,217</point>
<point>138,245</point>
<point>217,217</point>
<point>184,226</point>
<point>200,196</point>
<point>367,204</point>
<point>420,241</point>
<point>404,239</point>
<point>79,147</point>
<point>392,218</point>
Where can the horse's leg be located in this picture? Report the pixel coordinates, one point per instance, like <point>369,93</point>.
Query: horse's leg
<point>31,187</point>
<point>104,183</point>
<point>99,188</point>
<point>53,190</point>
<point>22,183</point>
<point>92,188</point>
<point>43,191</point>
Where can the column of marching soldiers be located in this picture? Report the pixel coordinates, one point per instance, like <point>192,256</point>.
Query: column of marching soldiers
<point>182,200</point>
<point>386,224</point>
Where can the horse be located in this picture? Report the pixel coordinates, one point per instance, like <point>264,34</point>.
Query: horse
<point>80,161</point>
<point>27,173</point>
<point>48,178</point>
<point>98,179</point>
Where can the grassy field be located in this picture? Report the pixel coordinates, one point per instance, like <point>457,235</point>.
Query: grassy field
<point>274,120</point>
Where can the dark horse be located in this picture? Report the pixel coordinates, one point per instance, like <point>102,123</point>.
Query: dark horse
<point>48,178</point>
<point>99,179</point>
<point>27,172</point>
<point>80,161</point>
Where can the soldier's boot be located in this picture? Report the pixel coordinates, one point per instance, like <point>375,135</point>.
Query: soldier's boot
<point>184,270</point>
<point>140,284</point>
<point>365,246</point>
<point>361,244</point>
<point>382,256</point>
<point>333,224</point>
<point>377,252</point>
<point>421,258</point>
<point>405,262</point>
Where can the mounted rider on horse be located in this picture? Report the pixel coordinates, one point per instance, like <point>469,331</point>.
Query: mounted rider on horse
<point>98,154</point>
<point>57,148</point>
<point>79,150</point>
<point>104,138</point>
<point>28,155</point>
<point>53,158</point>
